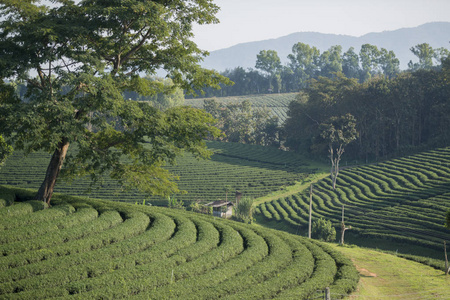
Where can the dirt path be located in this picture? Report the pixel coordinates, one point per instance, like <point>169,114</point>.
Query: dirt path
<point>290,190</point>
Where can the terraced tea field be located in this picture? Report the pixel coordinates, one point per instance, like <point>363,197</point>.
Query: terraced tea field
<point>89,249</point>
<point>253,170</point>
<point>276,103</point>
<point>402,200</point>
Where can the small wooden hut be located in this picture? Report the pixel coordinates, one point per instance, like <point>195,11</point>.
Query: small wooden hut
<point>223,209</point>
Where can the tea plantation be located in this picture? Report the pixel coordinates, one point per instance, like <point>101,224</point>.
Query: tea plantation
<point>276,103</point>
<point>92,249</point>
<point>253,170</point>
<point>403,200</point>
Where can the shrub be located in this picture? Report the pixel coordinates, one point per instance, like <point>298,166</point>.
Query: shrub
<point>244,210</point>
<point>199,208</point>
<point>323,230</point>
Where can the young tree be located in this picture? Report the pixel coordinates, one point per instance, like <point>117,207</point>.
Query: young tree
<point>77,58</point>
<point>338,132</point>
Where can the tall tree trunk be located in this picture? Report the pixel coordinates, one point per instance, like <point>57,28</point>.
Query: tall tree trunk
<point>45,192</point>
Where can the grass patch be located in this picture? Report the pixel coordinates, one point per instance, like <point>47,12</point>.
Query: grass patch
<point>385,276</point>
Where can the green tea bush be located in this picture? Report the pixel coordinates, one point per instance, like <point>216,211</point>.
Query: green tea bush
<point>91,249</point>
<point>402,200</point>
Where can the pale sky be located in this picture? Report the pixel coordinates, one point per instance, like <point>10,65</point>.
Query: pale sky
<point>254,20</point>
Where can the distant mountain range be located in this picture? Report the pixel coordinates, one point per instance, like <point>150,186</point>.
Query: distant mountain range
<point>436,34</point>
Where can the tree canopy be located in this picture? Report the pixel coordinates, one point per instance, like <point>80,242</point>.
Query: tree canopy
<point>243,124</point>
<point>307,62</point>
<point>393,116</point>
<point>77,59</point>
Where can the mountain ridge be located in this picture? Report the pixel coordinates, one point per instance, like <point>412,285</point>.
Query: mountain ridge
<point>437,34</point>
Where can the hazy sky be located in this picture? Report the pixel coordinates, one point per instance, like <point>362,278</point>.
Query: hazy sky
<point>253,20</point>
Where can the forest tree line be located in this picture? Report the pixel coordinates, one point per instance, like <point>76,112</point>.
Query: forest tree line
<point>306,63</point>
<point>394,116</point>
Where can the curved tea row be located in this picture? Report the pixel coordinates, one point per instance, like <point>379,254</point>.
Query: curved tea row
<point>84,249</point>
<point>253,170</point>
<point>403,199</point>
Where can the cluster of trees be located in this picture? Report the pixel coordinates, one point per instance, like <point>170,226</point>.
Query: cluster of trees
<point>392,116</point>
<point>306,63</point>
<point>240,123</point>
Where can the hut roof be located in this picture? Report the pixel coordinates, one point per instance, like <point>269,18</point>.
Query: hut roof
<point>219,203</point>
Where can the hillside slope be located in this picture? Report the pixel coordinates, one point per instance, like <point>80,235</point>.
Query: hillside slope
<point>402,200</point>
<point>253,170</point>
<point>91,249</point>
<point>277,103</point>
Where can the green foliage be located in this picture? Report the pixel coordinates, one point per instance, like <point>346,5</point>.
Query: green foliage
<point>244,210</point>
<point>6,96</point>
<point>199,208</point>
<point>323,230</point>
<point>269,62</point>
<point>5,150</point>
<point>172,202</point>
<point>339,131</point>
<point>161,93</point>
<point>83,68</point>
<point>241,123</point>
<point>307,63</point>
<point>393,116</point>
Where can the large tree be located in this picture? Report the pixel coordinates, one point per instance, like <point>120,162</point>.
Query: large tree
<point>425,53</point>
<point>77,58</point>
<point>269,62</point>
<point>304,63</point>
<point>369,56</point>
